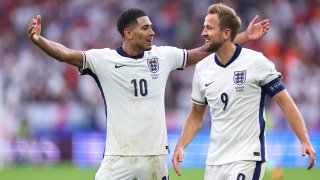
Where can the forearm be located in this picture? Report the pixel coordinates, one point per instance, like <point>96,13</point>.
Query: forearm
<point>196,55</point>
<point>60,52</point>
<point>189,131</point>
<point>293,115</point>
<point>296,121</point>
<point>242,38</point>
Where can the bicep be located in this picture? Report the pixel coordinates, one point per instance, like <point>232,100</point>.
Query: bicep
<point>283,99</point>
<point>75,58</point>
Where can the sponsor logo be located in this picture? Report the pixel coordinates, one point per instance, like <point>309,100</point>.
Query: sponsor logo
<point>207,84</point>
<point>119,65</point>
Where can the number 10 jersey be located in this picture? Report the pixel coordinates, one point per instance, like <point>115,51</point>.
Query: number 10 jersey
<point>133,92</point>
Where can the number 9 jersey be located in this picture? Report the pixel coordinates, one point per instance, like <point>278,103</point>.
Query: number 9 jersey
<point>133,91</point>
<point>235,93</point>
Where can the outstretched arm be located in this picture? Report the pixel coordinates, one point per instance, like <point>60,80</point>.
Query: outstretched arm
<point>255,30</point>
<point>296,122</point>
<point>189,131</point>
<point>53,49</point>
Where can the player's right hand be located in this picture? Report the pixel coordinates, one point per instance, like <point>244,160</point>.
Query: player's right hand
<point>34,29</point>
<point>177,158</point>
<point>308,149</point>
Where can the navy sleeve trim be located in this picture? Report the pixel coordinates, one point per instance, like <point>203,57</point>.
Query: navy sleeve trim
<point>273,87</point>
<point>185,58</point>
<point>199,102</point>
<point>83,70</point>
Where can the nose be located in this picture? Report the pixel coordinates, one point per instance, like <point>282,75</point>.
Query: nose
<point>204,33</point>
<point>152,32</point>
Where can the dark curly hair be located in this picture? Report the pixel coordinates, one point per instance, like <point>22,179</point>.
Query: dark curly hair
<point>128,18</point>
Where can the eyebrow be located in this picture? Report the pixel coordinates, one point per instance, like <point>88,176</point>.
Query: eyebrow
<point>147,25</point>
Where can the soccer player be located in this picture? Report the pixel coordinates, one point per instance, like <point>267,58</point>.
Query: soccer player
<point>233,82</point>
<point>132,81</point>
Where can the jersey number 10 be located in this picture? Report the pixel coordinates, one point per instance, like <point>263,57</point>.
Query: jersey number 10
<point>142,87</point>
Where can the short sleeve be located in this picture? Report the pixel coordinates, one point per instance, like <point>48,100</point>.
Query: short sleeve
<point>268,77</point>
<point>197,95</point>
<point>176,58</point>
<point>91,61</point>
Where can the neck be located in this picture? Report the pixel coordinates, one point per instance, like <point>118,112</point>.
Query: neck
<point>225,52</point>
<point>130,50</point>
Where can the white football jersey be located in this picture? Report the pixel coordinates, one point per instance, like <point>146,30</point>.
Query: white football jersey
<point>133,91</point>
<point>235,93</point>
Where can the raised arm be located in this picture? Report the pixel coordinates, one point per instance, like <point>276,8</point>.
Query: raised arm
<point>297,124</point>
<point>189,131</point>
<point>255,30</point>
<point>53,49</point>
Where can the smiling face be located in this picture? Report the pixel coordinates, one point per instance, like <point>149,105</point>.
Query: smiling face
<point>212,32</point>
<point>141,34</point>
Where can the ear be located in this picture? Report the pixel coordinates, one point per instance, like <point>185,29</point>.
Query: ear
<point>227,34</point>
<point>127,33</point>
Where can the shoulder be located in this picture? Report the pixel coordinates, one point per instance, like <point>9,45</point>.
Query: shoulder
<point>204,63</point>
<point>164,49</point>
<point>97,51</point>
<point>250,52</point>
<point>252,56</point>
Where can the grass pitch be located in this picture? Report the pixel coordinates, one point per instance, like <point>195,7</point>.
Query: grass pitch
<point>70,172</point>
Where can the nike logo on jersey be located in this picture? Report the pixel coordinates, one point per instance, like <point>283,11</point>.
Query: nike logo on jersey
<point>207,84</point>
<point>119,65</point>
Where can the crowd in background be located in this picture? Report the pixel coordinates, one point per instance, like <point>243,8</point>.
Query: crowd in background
<point>39,94</point>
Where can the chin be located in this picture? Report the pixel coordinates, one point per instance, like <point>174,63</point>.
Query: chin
<point>148,48</point>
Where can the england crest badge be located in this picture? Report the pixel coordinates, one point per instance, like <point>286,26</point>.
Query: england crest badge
<point>239,77</point>
<point>153,65</point>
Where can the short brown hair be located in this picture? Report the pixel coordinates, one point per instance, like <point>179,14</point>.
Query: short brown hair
<point>228,18</point>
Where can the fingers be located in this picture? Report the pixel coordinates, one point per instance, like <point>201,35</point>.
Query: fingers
<point>308,149</point>
<point>34,29</point>
<point>30,29</point>
<point>265,22</point>
<point>265,26</point>
<point>254,20</point>
<point>176,163</point>
<point>312,155</point>
<point>38,20</point>
<point>303,150</point>
<point>311,164</point>
<point>176,160</point>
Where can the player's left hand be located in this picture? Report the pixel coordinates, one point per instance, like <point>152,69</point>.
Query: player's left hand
<point>177,158</point>
<point>308,149</point>
<point>256,30</point>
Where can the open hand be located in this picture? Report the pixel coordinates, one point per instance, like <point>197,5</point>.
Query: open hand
<point>34,29</point>
<point>256,30</point>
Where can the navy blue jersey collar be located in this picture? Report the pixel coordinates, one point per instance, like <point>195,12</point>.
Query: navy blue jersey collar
<point>121,52</point>
<point>233,58</point>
